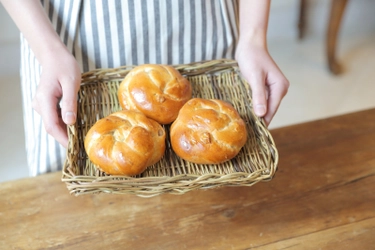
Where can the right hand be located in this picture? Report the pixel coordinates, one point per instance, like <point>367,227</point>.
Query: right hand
<point>60,80</point>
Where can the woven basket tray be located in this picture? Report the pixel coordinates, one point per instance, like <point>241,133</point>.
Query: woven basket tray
<point>219,79</point>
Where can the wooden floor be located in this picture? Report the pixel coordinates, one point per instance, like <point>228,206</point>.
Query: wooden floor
<point>322,197</point>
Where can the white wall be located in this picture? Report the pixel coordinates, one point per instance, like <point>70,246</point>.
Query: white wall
<point>9,45</point>
<point>358,18</point>
<point>9,32</point>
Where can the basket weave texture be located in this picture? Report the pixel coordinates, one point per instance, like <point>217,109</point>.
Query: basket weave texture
<point>218,79</point>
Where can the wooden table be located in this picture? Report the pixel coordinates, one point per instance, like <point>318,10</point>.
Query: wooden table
<point>322,197</point>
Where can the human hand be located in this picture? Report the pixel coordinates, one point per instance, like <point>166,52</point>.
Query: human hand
<point>267,82</point>
<point>60,80</point>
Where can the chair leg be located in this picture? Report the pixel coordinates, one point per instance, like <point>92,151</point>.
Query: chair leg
<point>335,18</point>
<point>302,19</point>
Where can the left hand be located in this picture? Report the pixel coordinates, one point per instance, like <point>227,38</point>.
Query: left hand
<point>267,82</point>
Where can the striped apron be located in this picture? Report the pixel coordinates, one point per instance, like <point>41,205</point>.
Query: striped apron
<point>113,33</point>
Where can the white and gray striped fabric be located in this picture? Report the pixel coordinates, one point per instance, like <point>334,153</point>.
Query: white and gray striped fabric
<point>113,33</point>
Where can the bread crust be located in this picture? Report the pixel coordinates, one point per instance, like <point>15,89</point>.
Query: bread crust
<point>158,91</point>
<point>208,131</point>
<point>125,143</point>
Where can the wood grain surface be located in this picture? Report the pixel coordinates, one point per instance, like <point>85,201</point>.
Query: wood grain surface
<point>322,197</point>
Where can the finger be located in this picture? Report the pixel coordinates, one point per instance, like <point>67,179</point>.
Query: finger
<point>259,93</point>
<point>277,91</point>
<point>52,121</point>
<point>69,101</point>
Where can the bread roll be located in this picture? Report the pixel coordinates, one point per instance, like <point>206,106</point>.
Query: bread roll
<point>125,143</point>
<point>208,132</point>
<point>158,91</point>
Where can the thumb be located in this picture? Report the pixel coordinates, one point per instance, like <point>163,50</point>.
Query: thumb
<point>69,103</point>
<point>259,94</point>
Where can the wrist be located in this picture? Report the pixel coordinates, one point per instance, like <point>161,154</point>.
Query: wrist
<point>54,50</point>
<point>253,37</point>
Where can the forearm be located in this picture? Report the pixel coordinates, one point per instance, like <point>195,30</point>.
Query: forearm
<point>253,21</point>
<point>34,24</point>
<point>268,84</point>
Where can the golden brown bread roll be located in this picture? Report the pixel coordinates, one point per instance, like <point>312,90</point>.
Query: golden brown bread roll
<point>158,91</point>
<point>125,143</point>
<point>208,132</point>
